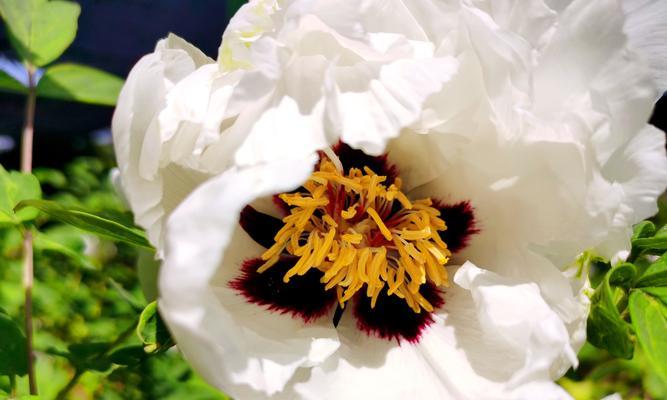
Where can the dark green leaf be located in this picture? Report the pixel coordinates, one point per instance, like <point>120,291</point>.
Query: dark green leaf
<point>11,85</point>
<point>89,356</point>
<point>655,275</point>
<point>79,83</point>
<point>656,243</point>
<point>128,356</point>
<point>15,187</point>
<point>644,229</point>
<point>622,275</point>
<point>606,328</point>
<point>89,222</point>
<point>13,359</point>
<point>152,331</point>
<point>650,324</point>
<point>40,30</point>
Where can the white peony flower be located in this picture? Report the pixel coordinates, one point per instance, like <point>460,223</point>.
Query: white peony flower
<point>502,139</point>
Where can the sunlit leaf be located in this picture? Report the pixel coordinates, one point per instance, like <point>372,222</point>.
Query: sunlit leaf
<point>659,293</point>
<point>650,323</point>
<point>44,243</point>
<point>655,275</point>
<point>11,85</point>
<point>89,222</point>
<point>15,187</point>
<point>79,83</point>
<point>39,30</point>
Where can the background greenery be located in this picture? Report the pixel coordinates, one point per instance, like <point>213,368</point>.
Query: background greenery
<point>87,293</point>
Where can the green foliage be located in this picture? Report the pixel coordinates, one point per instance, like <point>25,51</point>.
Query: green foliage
<point>630,303</point>
<point>40,30</point>
<point>649,318</point>
<point>89,222</point>
<point>87,302</point>
<point>11,85</point>
<point>15,187</point>
<point>600,374</point>
<point>152,331</point>
<point>79,83</point>
<point>13,360</point>
<point>606,328</point>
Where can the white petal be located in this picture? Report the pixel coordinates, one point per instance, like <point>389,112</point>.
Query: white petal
<point>486,322</point>
<point>646,27</point>
<point>240,347</point>
<point>135,125</point>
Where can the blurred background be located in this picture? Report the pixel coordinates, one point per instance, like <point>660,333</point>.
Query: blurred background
<point>87,289</point>
<point>112,36</point>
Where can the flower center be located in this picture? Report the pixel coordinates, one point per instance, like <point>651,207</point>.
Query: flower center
<point>362,232</point>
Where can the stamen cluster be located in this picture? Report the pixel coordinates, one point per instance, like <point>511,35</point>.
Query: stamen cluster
<point>361,231</point>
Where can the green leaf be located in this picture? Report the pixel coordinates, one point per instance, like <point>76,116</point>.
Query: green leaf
<point>606,329</point>
<point>152,331</point>
<point>622,275</point>
<point>15,187</point>
<point>650,324</point>
<point>655,275</point>
<point>147,270</point>
<point>89,222</point>
<point>643,229</point>
<point>79,83</point>
<point>11,85</point>
<point>128,356</point>
<point>89,356</point>
<point>45,243</point>
<point>39,30</point>
<point>654,243</point>
<point>13,358</point>
<point>659,293</point>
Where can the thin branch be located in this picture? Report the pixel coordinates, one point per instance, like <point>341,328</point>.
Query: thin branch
<point>70,385</point>
<point>29,124</point>
<point>26,167</point>
<point>78,372</point>
<point>12,385</point>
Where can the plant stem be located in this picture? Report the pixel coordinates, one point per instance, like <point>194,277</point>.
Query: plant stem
<point>70,385</point>
<point>29,124</point>
<point>12,384</point>
<point>26,167</point>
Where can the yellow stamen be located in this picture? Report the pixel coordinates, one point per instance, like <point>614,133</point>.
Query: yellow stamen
<point>383,228</point>
<point>345,248</point>
<point>349,213</point>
